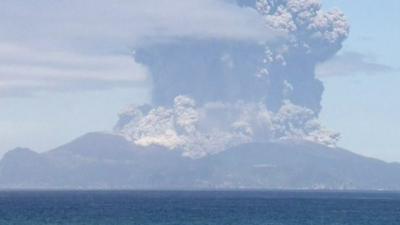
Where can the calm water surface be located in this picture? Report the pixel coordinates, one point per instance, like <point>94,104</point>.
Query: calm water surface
<point>197,208</point>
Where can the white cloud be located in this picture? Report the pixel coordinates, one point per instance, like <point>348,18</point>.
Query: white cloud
<point>25,70</point>
<point>130,20</point>
<point>94,23</point>
<point>88,43</point>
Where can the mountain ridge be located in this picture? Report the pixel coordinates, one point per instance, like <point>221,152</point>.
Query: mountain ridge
<point>106,161</point>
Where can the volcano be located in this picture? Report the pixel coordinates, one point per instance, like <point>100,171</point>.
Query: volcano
<point>107,161</point>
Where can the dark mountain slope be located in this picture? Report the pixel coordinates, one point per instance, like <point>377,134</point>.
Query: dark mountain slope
<point>106,161</point>
<point>302,165</point>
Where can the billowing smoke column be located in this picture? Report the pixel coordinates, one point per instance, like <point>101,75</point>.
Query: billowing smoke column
<point>214,127</point>
<point>313,37</point>
<point>209,95</point>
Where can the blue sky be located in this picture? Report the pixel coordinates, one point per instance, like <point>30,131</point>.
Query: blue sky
<point>43,112</point>
<point>364,108</point>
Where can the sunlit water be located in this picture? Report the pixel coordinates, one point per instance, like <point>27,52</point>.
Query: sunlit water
<point>202,208</point>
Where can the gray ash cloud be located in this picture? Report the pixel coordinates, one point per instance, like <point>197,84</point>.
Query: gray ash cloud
<point>240,91</point>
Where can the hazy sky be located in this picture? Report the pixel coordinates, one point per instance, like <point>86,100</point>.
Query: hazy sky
<point>55,85</point>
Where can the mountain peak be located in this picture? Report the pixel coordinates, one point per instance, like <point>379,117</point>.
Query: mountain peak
<point>20,152</point>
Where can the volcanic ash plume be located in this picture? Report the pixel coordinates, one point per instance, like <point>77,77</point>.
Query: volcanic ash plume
<point>209,95</point>
<point>313,36</point>
<point>214,127</point>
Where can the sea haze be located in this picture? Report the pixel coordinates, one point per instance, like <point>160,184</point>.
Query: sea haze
<point>198,207</point>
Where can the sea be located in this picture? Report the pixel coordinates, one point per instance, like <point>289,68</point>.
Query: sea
<point>198,208</point>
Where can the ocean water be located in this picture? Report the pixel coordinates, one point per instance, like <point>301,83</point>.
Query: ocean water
<point>198,208</point>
